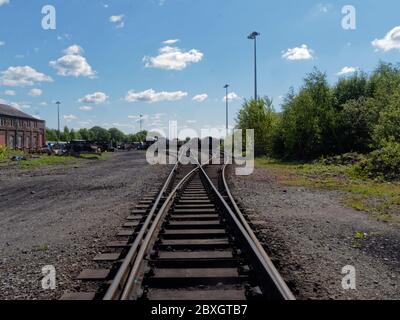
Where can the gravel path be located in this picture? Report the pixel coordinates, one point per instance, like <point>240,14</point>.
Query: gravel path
<point>310,236</point>
<point>63,216</point>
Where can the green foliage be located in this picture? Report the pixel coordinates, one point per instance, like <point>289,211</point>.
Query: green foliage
<point>96,134</point>
<point>350,88</point>
<point>384,81</point>
<point>260,116</point>
<point>307,127</point>
<point>51,134</point>
<point>355,127</point>
<point>117,136</point>
<point>359,114</point>
<point>100,135</point>
<point>4,152</point>
<point>388,127</point>
<point>383,163</point>
<point>138,137</point>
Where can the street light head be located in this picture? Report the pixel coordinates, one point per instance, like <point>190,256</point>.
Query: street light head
<point>226,86</point>
<point>253,35</point>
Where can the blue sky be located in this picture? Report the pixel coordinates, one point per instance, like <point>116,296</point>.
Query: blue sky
<point>110,61</point>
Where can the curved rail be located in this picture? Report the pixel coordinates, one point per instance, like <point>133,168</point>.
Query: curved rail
<point>268,265</point>
<point>117,285</point>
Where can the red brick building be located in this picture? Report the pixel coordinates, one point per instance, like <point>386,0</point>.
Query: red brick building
<point>19,130</point>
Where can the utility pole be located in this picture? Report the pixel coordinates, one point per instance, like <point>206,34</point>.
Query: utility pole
<point>227,108</point>
<point>253,36</point>
<point>140,121</point>
<point>58,119</point>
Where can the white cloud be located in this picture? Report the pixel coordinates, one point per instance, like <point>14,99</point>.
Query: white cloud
<point>191,121</point>
<point>86,108</point>
<point>232,96</point>
<point>35,92</point>
<point>118,19</point>
<point>173,58</point>
<point>3,2</point>
<point>43,103</point>
<point>2,43</point>
<point>347,70</point>
<point>96,98</point>
<point>389,42</point>
<point>70,117</point>
<point>74,49</point>
<point>10,93</point>
<point>22,76</point>
<point>170,42</point>
<point>298,53</point>
<point>151,96</point>
<point>200,97</point>
<point>73,63</point>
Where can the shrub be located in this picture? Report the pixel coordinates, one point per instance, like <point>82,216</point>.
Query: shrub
<point>344,159</point>
<point>4,153</point>
<point>383,163</point>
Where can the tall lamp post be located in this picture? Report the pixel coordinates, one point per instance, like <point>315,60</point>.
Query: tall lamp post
<point>253,36</point>
<point>140,122</point>
<point>227,108</point>
<point>58,119</point>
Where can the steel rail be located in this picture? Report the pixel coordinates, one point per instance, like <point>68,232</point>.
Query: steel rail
<point>117,285</point>
<point>134,273</point>
<point>276,277</point>
<point>254,245</point>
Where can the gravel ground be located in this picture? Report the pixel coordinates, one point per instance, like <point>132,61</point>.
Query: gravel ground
<point>310,236</point>
<point>63,216</point>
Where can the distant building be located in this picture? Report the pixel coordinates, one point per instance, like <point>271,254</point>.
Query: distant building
<point>19,130</point>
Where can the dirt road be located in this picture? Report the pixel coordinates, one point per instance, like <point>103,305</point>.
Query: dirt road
<point>63,216</point>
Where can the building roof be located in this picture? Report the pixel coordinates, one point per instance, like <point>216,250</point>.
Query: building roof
<point>13,112</point>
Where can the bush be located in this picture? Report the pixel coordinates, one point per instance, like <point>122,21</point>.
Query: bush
<point>383,163</point>
<point>388,128</point>
<point>4,152</point>
<point>344,159</point>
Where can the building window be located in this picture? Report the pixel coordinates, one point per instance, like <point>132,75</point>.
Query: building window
<point>11,142</point>
<point>19,142</point>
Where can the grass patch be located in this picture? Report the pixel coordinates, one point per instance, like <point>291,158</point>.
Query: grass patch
<point>42,248</point>
<point>379,198</point>
<point>46,160</point>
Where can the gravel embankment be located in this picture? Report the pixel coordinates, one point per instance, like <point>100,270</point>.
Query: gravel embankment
<point>63,216</point>
<point>310,236</point>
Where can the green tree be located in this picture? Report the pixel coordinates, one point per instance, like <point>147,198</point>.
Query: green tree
<point>116,135</point>
<point>388,127</point>
<point>383,83</point>
<point>85,134</point>
<point>100,135</point>
<point>356,125</point>
<point>350,88</point>
<point>51,135</point>
<point>308,125</point>
<point>260,116</point>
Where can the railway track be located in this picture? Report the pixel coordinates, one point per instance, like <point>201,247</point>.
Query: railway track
<point>189,241</point>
